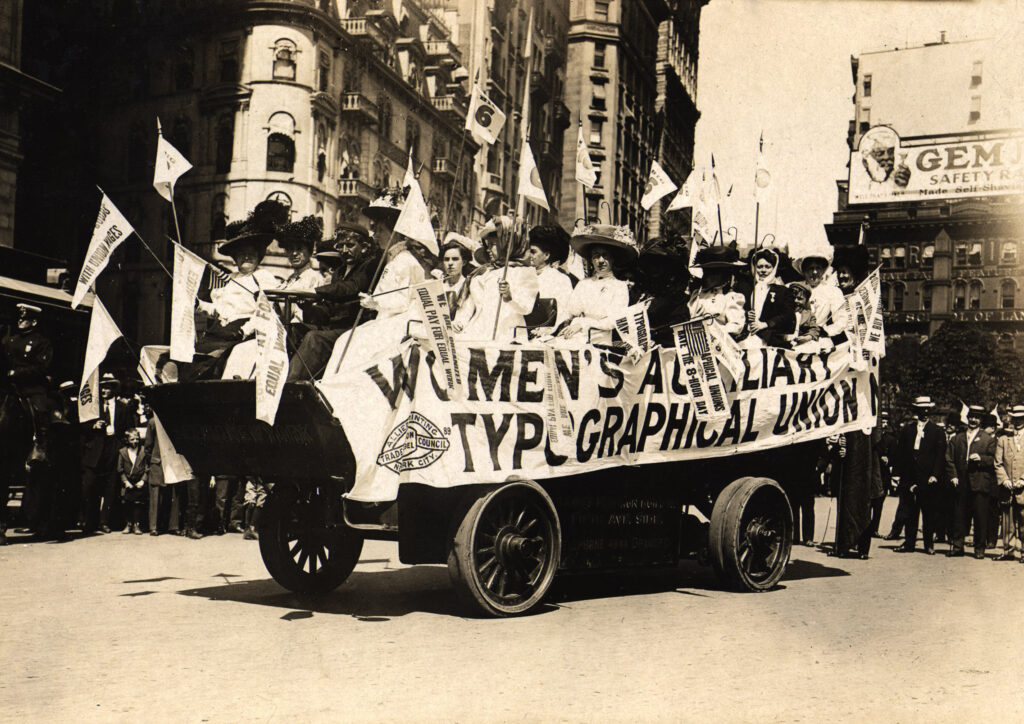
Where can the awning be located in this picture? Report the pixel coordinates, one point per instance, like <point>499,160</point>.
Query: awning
<point>40,294</point>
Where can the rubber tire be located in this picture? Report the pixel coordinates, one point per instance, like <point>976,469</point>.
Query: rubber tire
<point>464,574</point>
<point>724,535</point>
<point>279,512</point>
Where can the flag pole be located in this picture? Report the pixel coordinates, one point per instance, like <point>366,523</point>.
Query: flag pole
<point>174,211</point>
<point>148,248</point>
<point>757,201</point>
<point>718,199</point>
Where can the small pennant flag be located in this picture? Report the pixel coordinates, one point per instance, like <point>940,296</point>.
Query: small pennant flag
<point>111,229</point>
<point>658,185</point>
<point>169,166</point>
<point>529,178</point>
<point>414,219</point>
<point>687,192</point>
<point>585,172</point>
<point>188,274</point>
<point>484,120</point>
<point>103,332</point>
<point>762,177</point>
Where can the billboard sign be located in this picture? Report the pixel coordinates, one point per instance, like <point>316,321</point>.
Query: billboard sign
<point>885,168</point>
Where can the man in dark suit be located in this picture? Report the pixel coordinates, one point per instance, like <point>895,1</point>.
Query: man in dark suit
<point>970,466</point>
<point>101,438</point>
<point>359,259</point>
<point>920,460</point>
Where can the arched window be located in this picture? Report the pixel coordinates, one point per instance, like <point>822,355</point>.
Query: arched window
<point>974,295</point>
<point>281,197</point>
<point>321,152</point>
<point>959,296</point>
<point>280,153</point>
<point>898,290</point>
<point>284,60</point>
<point>885,296</point>
<point>1008,294</point>
<point>886,257</point>
<point>218,216</point>
<point>926,298</point>
<point>378,173</point>
<point>899,257</point>
<point>412,138</point>
<point>320,209</point>
<point>181,136</point>
<point>225,139</point>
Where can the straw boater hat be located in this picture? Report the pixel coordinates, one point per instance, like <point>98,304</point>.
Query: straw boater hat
<point>257,231</point>
<point>306,232</point>
<point>923,402</point>
<point>1017,411</point>
<point>976,411</point>
<point>108,380</point>
<point>619,239</point>
<point>553,239</point>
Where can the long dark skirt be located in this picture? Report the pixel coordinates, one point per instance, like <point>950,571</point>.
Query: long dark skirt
<point>853,529</point>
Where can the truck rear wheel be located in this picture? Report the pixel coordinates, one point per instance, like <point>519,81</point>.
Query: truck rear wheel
<point>301,549</point>
<point>505,552</point>
<point>751,534</point>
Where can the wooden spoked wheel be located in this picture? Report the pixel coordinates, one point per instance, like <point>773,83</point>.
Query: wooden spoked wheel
<point>751,534</point>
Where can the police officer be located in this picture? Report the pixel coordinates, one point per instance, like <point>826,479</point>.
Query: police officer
<point>28,354</point>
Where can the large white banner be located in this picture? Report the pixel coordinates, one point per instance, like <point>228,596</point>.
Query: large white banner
<point>188,273</point>
<point>103,332</point>
<point>111,229</point>
<point>407,428</point>
<point>884,169</point>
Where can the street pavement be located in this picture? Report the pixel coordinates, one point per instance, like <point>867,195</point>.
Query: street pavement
<point>120,628</point>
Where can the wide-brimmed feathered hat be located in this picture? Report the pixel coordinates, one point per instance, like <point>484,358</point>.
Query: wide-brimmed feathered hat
<point>717,257</point>
<point>387,206</point>
<point>618,239</point>
<point>257,231</point>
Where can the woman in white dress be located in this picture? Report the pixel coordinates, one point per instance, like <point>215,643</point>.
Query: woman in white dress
<point>549,248</point>
<point>715,295</point>
<point>597,301</point>
<point>827,303</point>
<point>456,266</point>
<point>499,299</point>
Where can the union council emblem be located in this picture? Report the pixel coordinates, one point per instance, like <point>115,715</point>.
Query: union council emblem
<point>414,444</point>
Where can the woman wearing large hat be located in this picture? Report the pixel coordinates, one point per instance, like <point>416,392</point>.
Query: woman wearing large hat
<point>827,300</point>
<point>549,247</point>
<point>718,264</point>
<point>769,308</point>
<point>602,297</point>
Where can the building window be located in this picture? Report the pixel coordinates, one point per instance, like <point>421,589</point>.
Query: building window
<point>225,138</point>
<point>1007,294</point>
<point>595,132</point>
<point>412,139</point>
<point>867,85</point>
<point>1008,252</point>
<point>321,152</point>
<point>976,73</point>
<point>599,52</point>
<point>959,296</point>
<point>886,257</point>
<point>282,198</point>
<point>324,79</point>
<point>928,256</point>
<point>974,296</point>
<point>280,153</point>
<point>926,298</point>
<point>899,257</point>
<point>975,109</point>
<point>960,254</point>
<point>385,118</point>
<point>228,62</point>
<point>601,9</point>
<point>865,119</point>
<point>599,102</point>
<point>897,297</point>
<point>218,216</point>
<point>284,60</point>
<point>974,254</point>
<point>885,296</point>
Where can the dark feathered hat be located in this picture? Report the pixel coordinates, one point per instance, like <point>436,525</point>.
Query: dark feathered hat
<point>553,239</point>
<point>258,230</point>
<point>306,232</point>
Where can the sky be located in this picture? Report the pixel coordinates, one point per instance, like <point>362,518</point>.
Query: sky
<point>782,68</point>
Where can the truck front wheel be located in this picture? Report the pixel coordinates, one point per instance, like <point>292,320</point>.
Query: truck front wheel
<point>751,534</point>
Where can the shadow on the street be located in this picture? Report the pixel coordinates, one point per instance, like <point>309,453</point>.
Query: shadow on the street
<point>369,596</point>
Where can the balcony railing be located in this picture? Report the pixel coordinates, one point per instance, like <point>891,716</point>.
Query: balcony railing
<point>359,105</point>
<point>355,188</point>
<point>444,167</point>
<point>449,104</point>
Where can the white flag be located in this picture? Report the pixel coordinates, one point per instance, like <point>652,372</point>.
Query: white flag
<point>169,166</point>
<point>762,179</point>
<point>529,178</point>
<point>102,333</point>
<point>484,120</point>
<point>701,221</point>
<point>110,230</point>
<point>658,185</point>
<point>188,273</point>
<point>687,192</point>
<point>585,172</point>
<point>271,360</point>
<point>414,219</point>
<point>175,467</point>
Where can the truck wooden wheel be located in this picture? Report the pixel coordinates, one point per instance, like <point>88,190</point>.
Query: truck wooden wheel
<point>506,549</point>
<point>300,549</point>
<point>751,534</point>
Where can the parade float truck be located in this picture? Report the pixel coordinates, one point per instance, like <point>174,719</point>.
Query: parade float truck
<point>512,463</point>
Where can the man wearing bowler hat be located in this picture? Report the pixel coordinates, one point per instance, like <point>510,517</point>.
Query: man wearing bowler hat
<point>1009,469</point>
<point>970,461</point>
<point>920,457</point>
